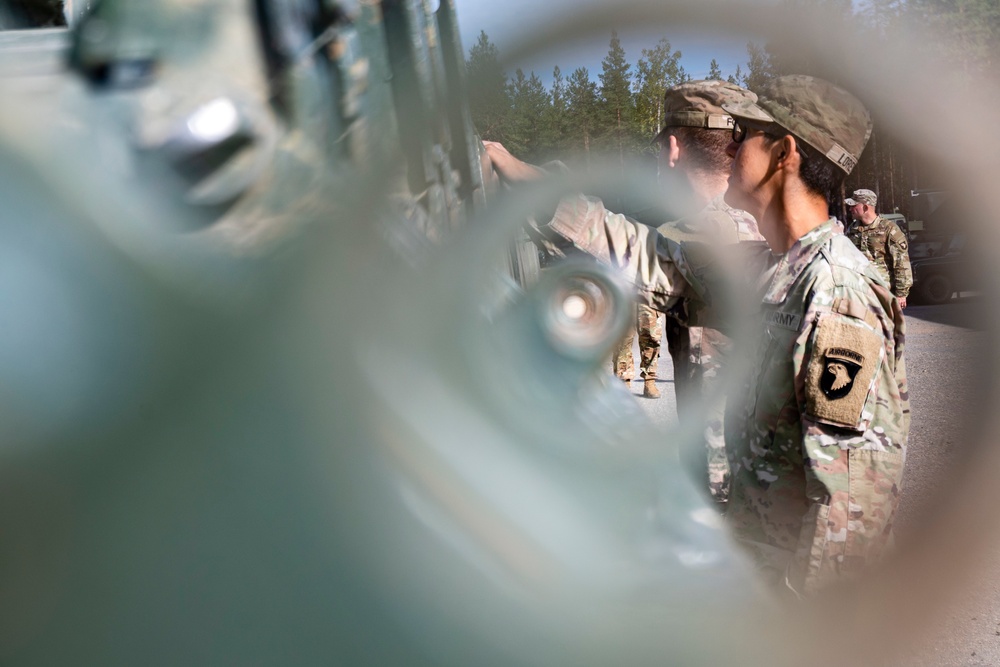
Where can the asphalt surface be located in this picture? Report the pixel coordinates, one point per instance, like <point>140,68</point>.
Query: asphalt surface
<point>949,371</point>
<point>949,368</point>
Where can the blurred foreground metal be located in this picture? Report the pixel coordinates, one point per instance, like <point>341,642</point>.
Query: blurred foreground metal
<point>268,393</point>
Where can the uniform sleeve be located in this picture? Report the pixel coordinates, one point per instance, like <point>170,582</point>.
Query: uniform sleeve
<point>898,255</point>
<point>853,434</point>
<point>658,266</point>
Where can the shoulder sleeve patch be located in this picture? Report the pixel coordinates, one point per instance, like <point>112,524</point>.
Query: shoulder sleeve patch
<point>897,236</point>
<point>845,358</point>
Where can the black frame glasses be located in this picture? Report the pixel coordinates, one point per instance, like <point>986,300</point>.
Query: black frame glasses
<point>741,129</point>
<point>739,132</point>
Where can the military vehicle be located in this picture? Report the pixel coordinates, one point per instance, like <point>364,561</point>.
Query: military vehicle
<point>271,389</point>
<point>368,78</point>
<point>938,278</point>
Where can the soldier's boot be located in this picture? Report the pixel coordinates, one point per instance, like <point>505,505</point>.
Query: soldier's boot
<point>718,486</point>
<point>649,389</point>
<point>624,373</point>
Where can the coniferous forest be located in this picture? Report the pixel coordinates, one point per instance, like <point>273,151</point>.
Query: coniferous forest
<point>616,111</point>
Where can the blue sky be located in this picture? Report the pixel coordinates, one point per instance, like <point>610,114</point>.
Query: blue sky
<point>505,21</point>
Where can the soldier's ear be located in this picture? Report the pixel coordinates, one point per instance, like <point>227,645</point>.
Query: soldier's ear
<point>785,148</point>
<point>673,151</point>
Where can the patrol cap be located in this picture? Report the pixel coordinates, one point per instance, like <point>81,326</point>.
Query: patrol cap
<point>699,104</point>
<point>862,197</point>
<point>824,116</point>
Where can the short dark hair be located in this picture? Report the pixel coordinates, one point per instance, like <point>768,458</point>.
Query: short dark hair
<point>706,147</point>
<point>822,176</point>
<point>818,174</point>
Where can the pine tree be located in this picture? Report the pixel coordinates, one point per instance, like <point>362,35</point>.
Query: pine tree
<point>963,32</point>
<point>617,112</point>
<point>714,71</point>
<point>581,111</point>
<point>794,51</point>
<point>529,108</point>
<point>882,16</point>
<point>658,69</point>
<point>555,125</point>
<point>759,68</point>
<point>489,103</point>
<point>737,77</point>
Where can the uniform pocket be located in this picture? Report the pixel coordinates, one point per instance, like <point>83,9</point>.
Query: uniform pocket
<point>774,383</point>
<point>813,551</point>
<point>764,354</point>
<point>855,527</point>
<point>873,497</point>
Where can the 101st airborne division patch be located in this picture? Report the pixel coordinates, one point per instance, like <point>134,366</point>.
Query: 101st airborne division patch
<point>846,356</point>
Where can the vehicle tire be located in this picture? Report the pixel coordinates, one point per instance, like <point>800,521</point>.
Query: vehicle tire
<point>936,288</point>
<point>523,261</point>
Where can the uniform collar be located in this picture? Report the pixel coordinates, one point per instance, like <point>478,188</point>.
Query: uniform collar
<point>718,203</point>
<point>791,265</point>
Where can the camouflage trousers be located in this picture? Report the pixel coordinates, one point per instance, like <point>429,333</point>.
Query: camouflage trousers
<point>647,324</point>
<point>697,354</point>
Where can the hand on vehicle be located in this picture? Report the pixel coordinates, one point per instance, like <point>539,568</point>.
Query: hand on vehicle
<point>509,167</point>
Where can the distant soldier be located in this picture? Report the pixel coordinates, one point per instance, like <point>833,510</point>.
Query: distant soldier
<point>882,242</point>
<point>647,325</point>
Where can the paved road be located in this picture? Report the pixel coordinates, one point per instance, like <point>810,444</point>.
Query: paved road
<point>948,371</point>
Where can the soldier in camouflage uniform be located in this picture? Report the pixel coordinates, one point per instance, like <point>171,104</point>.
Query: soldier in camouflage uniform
<point>693,167</point>
<point>693,150</point>
<point>882,242</point>
<point>817,437</point>
<point>819,442</point>
<point>647,325</point>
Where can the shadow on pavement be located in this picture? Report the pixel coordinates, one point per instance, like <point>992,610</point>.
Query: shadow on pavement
<point>970,312</point>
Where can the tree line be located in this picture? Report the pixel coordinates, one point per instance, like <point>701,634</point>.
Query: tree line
<point>617,112</point>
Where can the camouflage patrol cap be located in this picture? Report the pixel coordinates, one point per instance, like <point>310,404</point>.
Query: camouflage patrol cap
<point>699,104</point>
<point>862,197</point>
<point>822,115</point>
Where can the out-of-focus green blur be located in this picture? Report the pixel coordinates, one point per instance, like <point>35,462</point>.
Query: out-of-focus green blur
<point>271,390</point>
<point>279,384</point>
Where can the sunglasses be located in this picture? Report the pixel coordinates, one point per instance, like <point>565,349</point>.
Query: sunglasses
<point>740,131</point>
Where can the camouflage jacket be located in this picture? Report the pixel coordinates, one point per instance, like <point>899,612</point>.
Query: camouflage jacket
<point>697,352</point>
<point>885,246</point>
<point>817,438</point>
